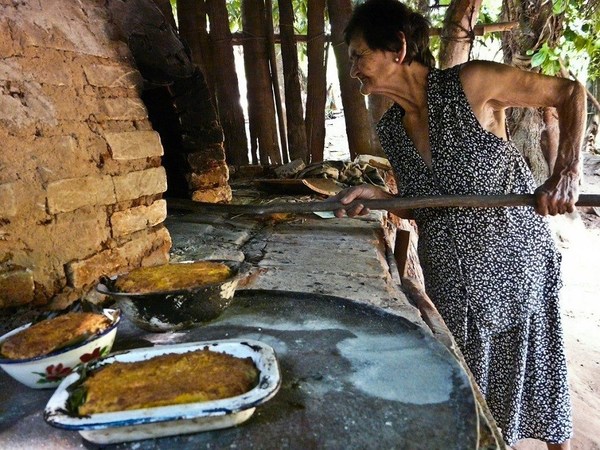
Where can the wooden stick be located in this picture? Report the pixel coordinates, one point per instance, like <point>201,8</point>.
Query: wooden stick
<point>438,201</point>
<point>239,37</point>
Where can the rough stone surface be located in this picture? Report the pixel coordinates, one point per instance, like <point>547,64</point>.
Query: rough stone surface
<point>139,218</point>
<point>134,144</point>
<point>70,194</point>
<point>216,176</point>
<point>153,247</point>
<point>8,207</point>
<point>16,287</point>
<point>111,76</point>
<point>221,194</point>
<point>196,238</point>
<point>198,161</point>
<point>340,257</point>
<point>122,109</point>
<point>78,148</point>
<point>137,184</point>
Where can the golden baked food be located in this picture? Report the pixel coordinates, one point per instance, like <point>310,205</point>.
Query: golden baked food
<point>168,277</point>
<point>51,334</point>
<point>169,379</point>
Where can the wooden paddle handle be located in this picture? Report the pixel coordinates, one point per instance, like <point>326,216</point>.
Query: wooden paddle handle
<point>438,201</point>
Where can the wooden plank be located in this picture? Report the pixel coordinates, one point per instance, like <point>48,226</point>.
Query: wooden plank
<point>397,203</point>
<point>325,186</point>
<point>479,30</point>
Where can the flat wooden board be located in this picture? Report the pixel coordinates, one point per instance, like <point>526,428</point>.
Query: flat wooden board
<point>323,186</point>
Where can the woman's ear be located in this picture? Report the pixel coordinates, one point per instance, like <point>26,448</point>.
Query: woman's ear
<point>401,53</point>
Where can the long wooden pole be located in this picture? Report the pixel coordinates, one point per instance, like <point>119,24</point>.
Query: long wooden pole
<point>275,80</point>
<point>478,30</point>
<point>439,201</point>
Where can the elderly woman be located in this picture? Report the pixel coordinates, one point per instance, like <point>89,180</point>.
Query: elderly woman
<point>493,273</point>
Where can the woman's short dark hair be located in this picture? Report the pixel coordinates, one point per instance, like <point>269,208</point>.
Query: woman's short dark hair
<point>379,21</point>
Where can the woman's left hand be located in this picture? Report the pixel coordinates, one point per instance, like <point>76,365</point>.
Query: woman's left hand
<point>361,192</point>
<point>557,195</point>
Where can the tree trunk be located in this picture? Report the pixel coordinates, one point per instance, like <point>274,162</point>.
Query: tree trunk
<point>457,34</point>
<point>358,125</point>
<point>316,91</point>
<point>191,17</point>
<point>167,10</point>
<point>296,132</point>
<point>527,125</point>
<point>423,7</point>
<point>261,109</point>
<point>227,87</point>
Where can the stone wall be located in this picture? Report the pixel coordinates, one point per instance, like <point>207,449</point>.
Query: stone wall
<point>80,165</point>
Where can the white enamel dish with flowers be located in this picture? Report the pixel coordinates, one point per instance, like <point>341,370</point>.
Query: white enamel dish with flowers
<point>47,371</point>
<point>160,421</point>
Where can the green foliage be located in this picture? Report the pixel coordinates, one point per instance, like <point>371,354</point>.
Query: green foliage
<point>547,58</point>
<point>578,47</point>
<point>301,19</point>
<point>234,8</point>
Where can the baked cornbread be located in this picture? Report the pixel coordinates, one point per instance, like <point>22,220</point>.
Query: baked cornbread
<point>169,379</point>
<point>168,277</point>
<point>51,334</point>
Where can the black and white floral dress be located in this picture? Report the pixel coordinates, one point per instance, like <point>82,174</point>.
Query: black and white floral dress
<point>493,273</point>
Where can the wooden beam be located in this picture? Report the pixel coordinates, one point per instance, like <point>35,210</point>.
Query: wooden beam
<point>479,30</point>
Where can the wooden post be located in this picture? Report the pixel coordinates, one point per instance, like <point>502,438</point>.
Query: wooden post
<point>401,250</point>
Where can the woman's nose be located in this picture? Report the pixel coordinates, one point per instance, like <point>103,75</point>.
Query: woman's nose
<point>353,69</point>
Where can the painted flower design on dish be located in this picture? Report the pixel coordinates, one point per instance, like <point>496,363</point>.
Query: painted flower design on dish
<point>97,353</point>
<point>54,373</point>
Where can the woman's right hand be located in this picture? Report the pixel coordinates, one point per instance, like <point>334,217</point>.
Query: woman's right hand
<point>364,192</point>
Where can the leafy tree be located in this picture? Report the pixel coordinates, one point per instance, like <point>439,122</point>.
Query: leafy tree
<point>579,46</point>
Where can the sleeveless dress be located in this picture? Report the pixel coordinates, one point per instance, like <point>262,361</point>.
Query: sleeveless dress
<point>493,273</point>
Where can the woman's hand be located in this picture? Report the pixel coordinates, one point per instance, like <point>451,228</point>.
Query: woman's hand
<point>364,192</point>
<point>557,195</point>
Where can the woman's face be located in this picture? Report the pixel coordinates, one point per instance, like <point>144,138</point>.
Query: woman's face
<point>371,67</point>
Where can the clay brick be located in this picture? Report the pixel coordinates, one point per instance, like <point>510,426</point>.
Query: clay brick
<point>11,69</point>
<point>8,203</point>
<point>16,288</point>
<point>199,161</point>
<point>18,102</point>
<point>152,246</point>
<point>113,76</point>
<point>74,234</point>
<point>49,68</point>
<point>62,26</point>
<point>215,177</point>
<point>216,195</point>
<point>122,109</point>
<point>31,35</point>
<point>8,46</point>
<point>134,144</point>
<point>73,193</point>
<point>138,218</point>
<point>137,184</point>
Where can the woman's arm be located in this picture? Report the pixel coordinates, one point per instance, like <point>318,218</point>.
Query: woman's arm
<point>492,87</point>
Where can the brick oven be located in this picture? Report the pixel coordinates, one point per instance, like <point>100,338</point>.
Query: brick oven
<point>81,176</point>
